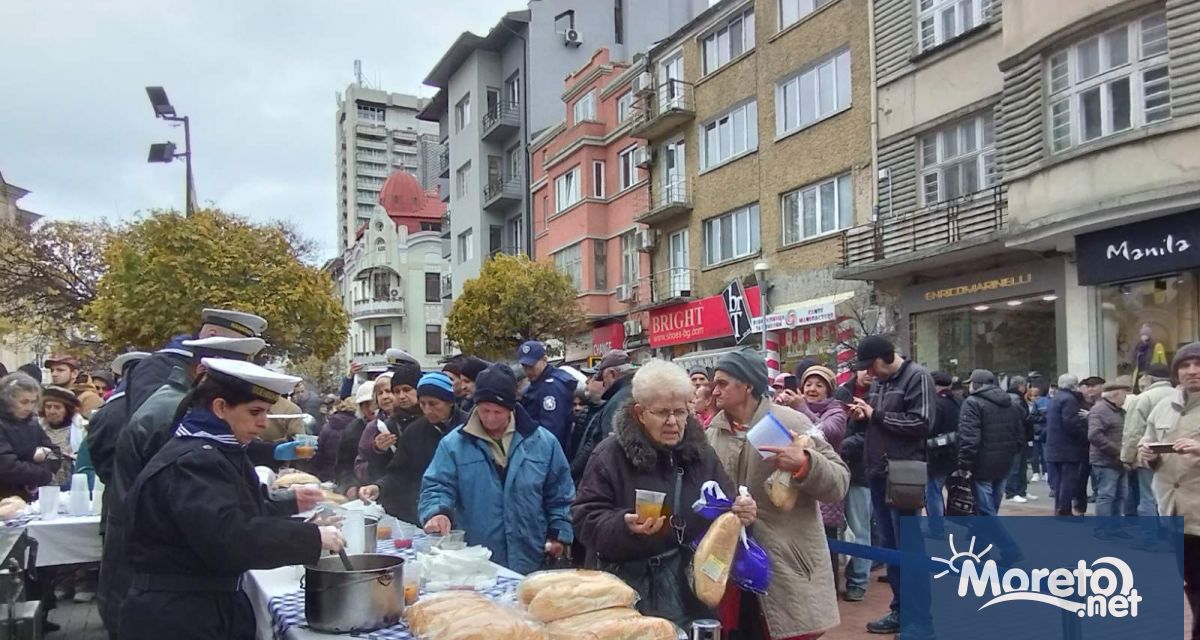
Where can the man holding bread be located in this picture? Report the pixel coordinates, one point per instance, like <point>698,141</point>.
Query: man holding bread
<point>788,487</point>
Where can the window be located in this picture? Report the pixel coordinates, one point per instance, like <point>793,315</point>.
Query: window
<point>466,246</point>
<point>433,287</point>
<point>959,159</point>
<point>629,170</point>
<point>512,89</point>
<point>1111,82</point>
<point>381,282</point>
<point>380,245</point>
<point>585,107</point>
<point>462,113</point>
<point>733,235</point>
<point>566,189</point>
<point>372,114</point>
<point>629,258</point>
<point>514,162</point>
<point>790,11</point>
<point>364,194</point>
<point>433,339</point>
<point>618,21</point>
<point>941,21</point>
<point>462,180</point>
<point>383,337</point>
<point>728,41</point>
<point>814,93</point>
<point>368,167</point>
<point>817,209</point>
<point>569,261</point>
<point>515,233</point>
<point>545,212</point>
<point>625,107</point>
<point>598,178</point>
<point>600,264</point>
<point>729,136</point>
<point>495,239</point>
<point>431,226</point>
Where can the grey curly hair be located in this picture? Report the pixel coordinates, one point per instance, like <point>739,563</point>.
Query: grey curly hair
<point>15,383</point>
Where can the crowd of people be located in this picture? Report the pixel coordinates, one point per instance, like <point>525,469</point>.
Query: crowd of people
<point>542,465</point>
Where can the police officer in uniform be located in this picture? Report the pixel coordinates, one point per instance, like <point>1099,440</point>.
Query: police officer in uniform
<point>548,398</point>
<point>199,518</point>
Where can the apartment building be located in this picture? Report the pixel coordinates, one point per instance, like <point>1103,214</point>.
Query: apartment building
<point>586,190</point>
<point>17,349</point>
<point>757,124</point>
<point>498,91</point>
<point>378,133</point>
<point>390,279</point>
<point>1037,200</point>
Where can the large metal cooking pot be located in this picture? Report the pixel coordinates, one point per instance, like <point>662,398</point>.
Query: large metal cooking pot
<point>370,597</point>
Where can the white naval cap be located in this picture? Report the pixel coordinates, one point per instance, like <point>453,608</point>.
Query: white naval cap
<point>246,324</point>
<point>232,348</point>
<point>396,356</point>
<point>265,384</point>
<point>125,359</point>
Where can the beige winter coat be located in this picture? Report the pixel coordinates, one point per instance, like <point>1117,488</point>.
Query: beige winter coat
<point>1137,415</point>
<point>802,598</point>
<point>1177,476</point>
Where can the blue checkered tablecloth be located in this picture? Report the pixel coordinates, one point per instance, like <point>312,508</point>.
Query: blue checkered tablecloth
<point>21,521</point>
<point>287,610</point>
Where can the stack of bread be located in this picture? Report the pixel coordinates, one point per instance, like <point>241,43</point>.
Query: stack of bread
<point>11,507</point>
<point>588,605</point>
<point>299,478</point>
<point>466,615</point>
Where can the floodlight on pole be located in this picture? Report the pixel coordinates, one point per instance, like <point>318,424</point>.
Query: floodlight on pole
<point>165,152</point>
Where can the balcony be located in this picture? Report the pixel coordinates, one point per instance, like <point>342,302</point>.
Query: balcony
<point>371,157</point>
<point>499,195</point>
<point>662,202</point>
<point>445,232</point>
<point>370,129</point>
<point>444,163</point>
<point>361,197</point>
<point>447,246</point>
<point>371,359</point>
<point>661,289</point>
<point>372,143</point>
<point>373,170</point>
<point>671,106</point>
<point>377,308</point>
<point>443,188</point>
<point>881,248</point>
<point>501,122</point>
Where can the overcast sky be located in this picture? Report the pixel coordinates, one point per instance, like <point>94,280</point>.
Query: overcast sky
<point>257,78</point>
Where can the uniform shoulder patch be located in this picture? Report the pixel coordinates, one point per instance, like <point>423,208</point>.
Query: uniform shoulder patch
<point>549,403</point>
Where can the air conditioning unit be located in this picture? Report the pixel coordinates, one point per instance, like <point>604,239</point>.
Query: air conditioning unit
<point>647,240</point>
<point>572,38</point>
<point>643,157</point>
<point>643,84</point>
<point>624,293</point>
<point>395,294</point>
<point>633,328</point>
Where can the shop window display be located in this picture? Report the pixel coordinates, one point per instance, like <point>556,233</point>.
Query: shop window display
<point>1010,337</point>
<point>1145,322</point>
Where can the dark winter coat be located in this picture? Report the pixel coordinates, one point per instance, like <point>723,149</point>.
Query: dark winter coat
<point>198,513</point>
<point>905,409</point>
<point>603,424</point>
<point>328,441</point>
<point>944,460</point>
<point>1066,431</point>
<point>400,477</point>
<point>369,463</point>
<point>854,444</point>
<point>19,439</point>
<point>1106,428</point>
<point>990,433</point>
<point>347,451</point>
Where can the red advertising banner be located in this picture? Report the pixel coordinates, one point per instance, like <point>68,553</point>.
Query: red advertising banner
<point>607,338</point>
<point>704,319</point>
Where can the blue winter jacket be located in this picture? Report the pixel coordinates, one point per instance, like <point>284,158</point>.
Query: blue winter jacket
<point>1066,432</point>
<point>513,516</point>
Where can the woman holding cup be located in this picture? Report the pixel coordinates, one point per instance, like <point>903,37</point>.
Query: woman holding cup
<point>28,459</point>
<point>633,511</point>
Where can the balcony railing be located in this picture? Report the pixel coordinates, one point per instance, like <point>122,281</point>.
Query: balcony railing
<point>670,106</point>
<point>377,308</point>
<point>663,201</point>
<point>370,358</point>
<point>974,215</point>
<point>501,121</point>
<point>444,163</point>
<point>500,194</point>
<point>663,288</point>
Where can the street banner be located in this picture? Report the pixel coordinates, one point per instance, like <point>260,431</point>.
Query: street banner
<point>737,307</point>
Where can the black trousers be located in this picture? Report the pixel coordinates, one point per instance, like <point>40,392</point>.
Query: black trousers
<point>1066,477</point>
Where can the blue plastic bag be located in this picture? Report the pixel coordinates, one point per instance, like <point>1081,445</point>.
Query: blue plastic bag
<point>751,570</point>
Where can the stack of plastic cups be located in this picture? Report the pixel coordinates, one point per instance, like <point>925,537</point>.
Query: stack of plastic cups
<point>354,528</point>
<point>98,497</point>
<point>81,499</point>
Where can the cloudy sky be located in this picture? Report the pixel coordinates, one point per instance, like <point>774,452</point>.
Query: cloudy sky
<point>257,78</point>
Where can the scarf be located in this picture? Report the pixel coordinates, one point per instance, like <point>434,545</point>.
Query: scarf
<point>200,423</point>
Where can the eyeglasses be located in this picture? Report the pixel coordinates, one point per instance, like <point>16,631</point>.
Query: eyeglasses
<point>665,414</point>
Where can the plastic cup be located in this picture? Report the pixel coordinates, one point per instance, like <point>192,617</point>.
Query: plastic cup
<point>48,502</point>
<point>649,504</point>
<point>402,535</point>
<point>412,582</point>
<point>383,530</point>
<point>769,432</point>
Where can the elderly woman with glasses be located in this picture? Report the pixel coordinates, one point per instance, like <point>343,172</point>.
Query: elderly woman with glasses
<point>658,446</point>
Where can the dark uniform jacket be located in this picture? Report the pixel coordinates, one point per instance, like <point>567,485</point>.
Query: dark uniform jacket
<point>400,478</point>
<point>19,439</point>
<point>548,401</point>
<point>1066,431</point>
<point>199,519</point>
<point>991,431</point>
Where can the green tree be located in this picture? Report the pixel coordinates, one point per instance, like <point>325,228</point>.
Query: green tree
<point>514,300</point>
<point>165,268</point>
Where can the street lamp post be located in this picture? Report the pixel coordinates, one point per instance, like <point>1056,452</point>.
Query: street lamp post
<point>760,275</point>
<point>165,152</point>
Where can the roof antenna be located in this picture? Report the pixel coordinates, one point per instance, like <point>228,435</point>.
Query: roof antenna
<point>358,75</point>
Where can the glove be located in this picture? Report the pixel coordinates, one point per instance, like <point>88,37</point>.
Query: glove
<point>287,450</point>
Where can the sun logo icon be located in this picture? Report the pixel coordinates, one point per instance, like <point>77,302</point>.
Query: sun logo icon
<point>957,558</point>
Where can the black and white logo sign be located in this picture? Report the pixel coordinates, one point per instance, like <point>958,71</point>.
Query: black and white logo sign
<point>1146,248</point>
<point>738,310</point>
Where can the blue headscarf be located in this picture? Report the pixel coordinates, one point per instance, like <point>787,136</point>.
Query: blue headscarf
<point>202,423</point>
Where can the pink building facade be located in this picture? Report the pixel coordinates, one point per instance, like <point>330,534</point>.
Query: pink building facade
<point>587,186</point>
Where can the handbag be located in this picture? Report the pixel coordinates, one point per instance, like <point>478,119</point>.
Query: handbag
<point>906,481</point>
<point>960,497</point>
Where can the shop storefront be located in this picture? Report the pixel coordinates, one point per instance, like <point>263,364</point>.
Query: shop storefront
<point>697,332</point>
<point>1006,320</point>
<point>1146,303</point>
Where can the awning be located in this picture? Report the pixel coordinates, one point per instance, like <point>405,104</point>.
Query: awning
<point>801,314</point>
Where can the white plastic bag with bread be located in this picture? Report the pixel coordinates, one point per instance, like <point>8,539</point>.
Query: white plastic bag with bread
<point>714,558</point>
<point>581,595</point>
<point>780,490</point>
<point>611,624</point>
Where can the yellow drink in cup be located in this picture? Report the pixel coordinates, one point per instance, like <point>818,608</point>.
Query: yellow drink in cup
<point>649,504</point>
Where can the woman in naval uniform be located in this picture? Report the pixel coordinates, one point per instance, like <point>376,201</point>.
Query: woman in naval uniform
<point>199,518</point>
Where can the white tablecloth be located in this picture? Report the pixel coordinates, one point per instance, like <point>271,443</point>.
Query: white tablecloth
<point>66,539</point>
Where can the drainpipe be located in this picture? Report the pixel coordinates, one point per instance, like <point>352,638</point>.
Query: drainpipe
<point>524,107</point>
<point>874,105</point>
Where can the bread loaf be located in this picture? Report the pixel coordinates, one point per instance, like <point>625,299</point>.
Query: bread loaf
<point>535,582</point>
<point>714,557</point>
<point>781,491</point>
<point>422,615</point>
<point>582,595</point>
<point>292,479</point>
<point>585,625</point>
<point>466,615</point>
<point>637,629</point>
